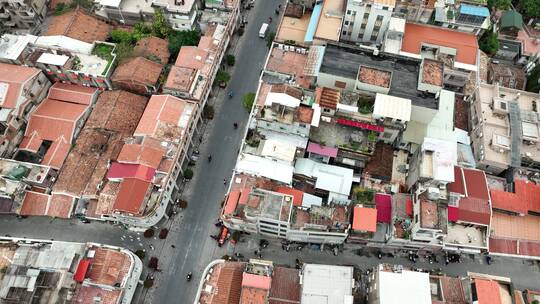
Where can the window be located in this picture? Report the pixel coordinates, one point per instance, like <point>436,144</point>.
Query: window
<point>373,38</point>
<point>363,26</point>
<point>340,84</point>
<point>366,16</point>
<point>368,5</point>
<point>348,12</point>
<point>346,22</point>
<point>344,33</point>
<point>380,18</point>
<point>385,8</point>
<point>325,110</point>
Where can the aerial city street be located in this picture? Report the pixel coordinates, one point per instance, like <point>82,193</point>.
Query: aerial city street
<point>270,151</point>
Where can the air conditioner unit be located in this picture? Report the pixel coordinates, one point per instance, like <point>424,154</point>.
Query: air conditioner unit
<point>500,106</point>
<point>433,193</point>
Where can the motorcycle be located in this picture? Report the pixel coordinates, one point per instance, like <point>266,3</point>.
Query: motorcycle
<point>188,276</point>
<point>488,259</point>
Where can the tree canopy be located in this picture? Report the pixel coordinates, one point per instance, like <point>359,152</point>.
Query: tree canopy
<point>530,8</point>
<point>489,43</point>
<point>178,39</point>
<point>499,4</point>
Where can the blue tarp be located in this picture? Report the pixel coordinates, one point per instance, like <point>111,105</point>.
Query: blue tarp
<point>312,27</point>
<point>474,10</point>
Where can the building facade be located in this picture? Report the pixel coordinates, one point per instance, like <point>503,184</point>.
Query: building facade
<point>366,21</point>
<point>22,16</point>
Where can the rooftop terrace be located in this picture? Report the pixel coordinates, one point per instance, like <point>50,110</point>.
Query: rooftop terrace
<point>346,61</point>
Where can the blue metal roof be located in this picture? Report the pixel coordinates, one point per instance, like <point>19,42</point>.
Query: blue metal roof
<point>313,21</point>
<point>474,10</point>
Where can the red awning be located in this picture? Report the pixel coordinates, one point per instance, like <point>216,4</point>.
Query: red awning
<point>409,207</point>
<point>360,125</point>
<point>384,207</point>
<point>453,214</point>
<point>80,273</point>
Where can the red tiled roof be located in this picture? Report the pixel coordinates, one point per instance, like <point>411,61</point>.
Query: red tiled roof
<point>244,196</point>
<point>153,46</point>
<point>327,97</point>
<point>121,171</point>
<point>231,203</point>
<point>524,199</point>
<point>163,112</point>
<point>474,210</point>
<point>141,154</point>
<point>34,203</point>
<point>132,195</point>
<point>15,76</point>
<point>365,219</point>
<point>295,193</point>
<point>256,281</point>
<point>60,205</point>
<point>285,285</point>
<point>384,207</point>
<point>78,25</point>
<point>191,57</point>
<point>229,284</point>
<point>452,290</point>
<point>465,44</point>
<point>487,291</point>
<point>72,93</point>
<point>503,245</point>
<point>139,70</point>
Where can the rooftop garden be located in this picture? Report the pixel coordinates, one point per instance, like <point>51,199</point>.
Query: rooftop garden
<point>105,52</point>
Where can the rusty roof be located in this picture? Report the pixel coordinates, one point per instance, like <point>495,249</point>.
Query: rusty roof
<point>78,25</point>
<point>374,76</point>
<point>285,285</point>
<point>303,114</point>
<point>416,35</point>
<point>229,284</point>
<point>327,97</point>
<point>60,206</point>
<point>153,47</point>
<point>138,69</point>
<point>432,72</point>
<point>250,295</point>
<point>166,117</point>
<point>287,89</point>
<point>109,267</point>
<point>180,78</point>
<point>34,203</point>
<point>114,118</point>
<point>515,227</point>
<point>191,57</point>
<point>87,294</point>
<point>452,290</point>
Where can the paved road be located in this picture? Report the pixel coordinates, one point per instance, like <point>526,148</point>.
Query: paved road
<point>524,273</point>
<point>194,248</point>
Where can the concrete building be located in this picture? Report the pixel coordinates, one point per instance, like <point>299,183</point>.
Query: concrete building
<point>455,52</point>
<point>22,16</point>
<point>61,271</point>
<point>367,21</point>
<point>333,283</point>
<point>390,284</point>
<point>280,211</point>
<point>192,75</point>
<point>21,90</point>
<point>418,11</point>
<point>62,59</point>
<point>463,16</point>
<point>504,128</point>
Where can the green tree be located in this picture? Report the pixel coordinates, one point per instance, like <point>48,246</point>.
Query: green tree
<point>160,27</point>
<point>188,173</point>
<point>140,31</point>
<point>533,81</point>
<point>230,59</point>
<point>270,38</point>
<point>123,50</point>
<point>121,36</point>
<point>489,43</point>
<point>530,8</point>
<point>178,39</point>
<point>248,101</point>
<point>222,76</point>
<point>499,4</point>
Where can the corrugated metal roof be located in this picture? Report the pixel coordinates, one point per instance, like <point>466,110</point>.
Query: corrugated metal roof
<point>392,107</point>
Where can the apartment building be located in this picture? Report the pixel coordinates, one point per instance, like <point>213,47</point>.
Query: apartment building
<point>418,11</point>
<point>62,59</point>
<point>504,128</point>
<point>22,16</point>
<point>366,21</point>
<point>456,52</point>
<point>465,16</point>
<point>21,90</point>
<point>396,284</point>
<point>65,271</point>
<point>274,209</point>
